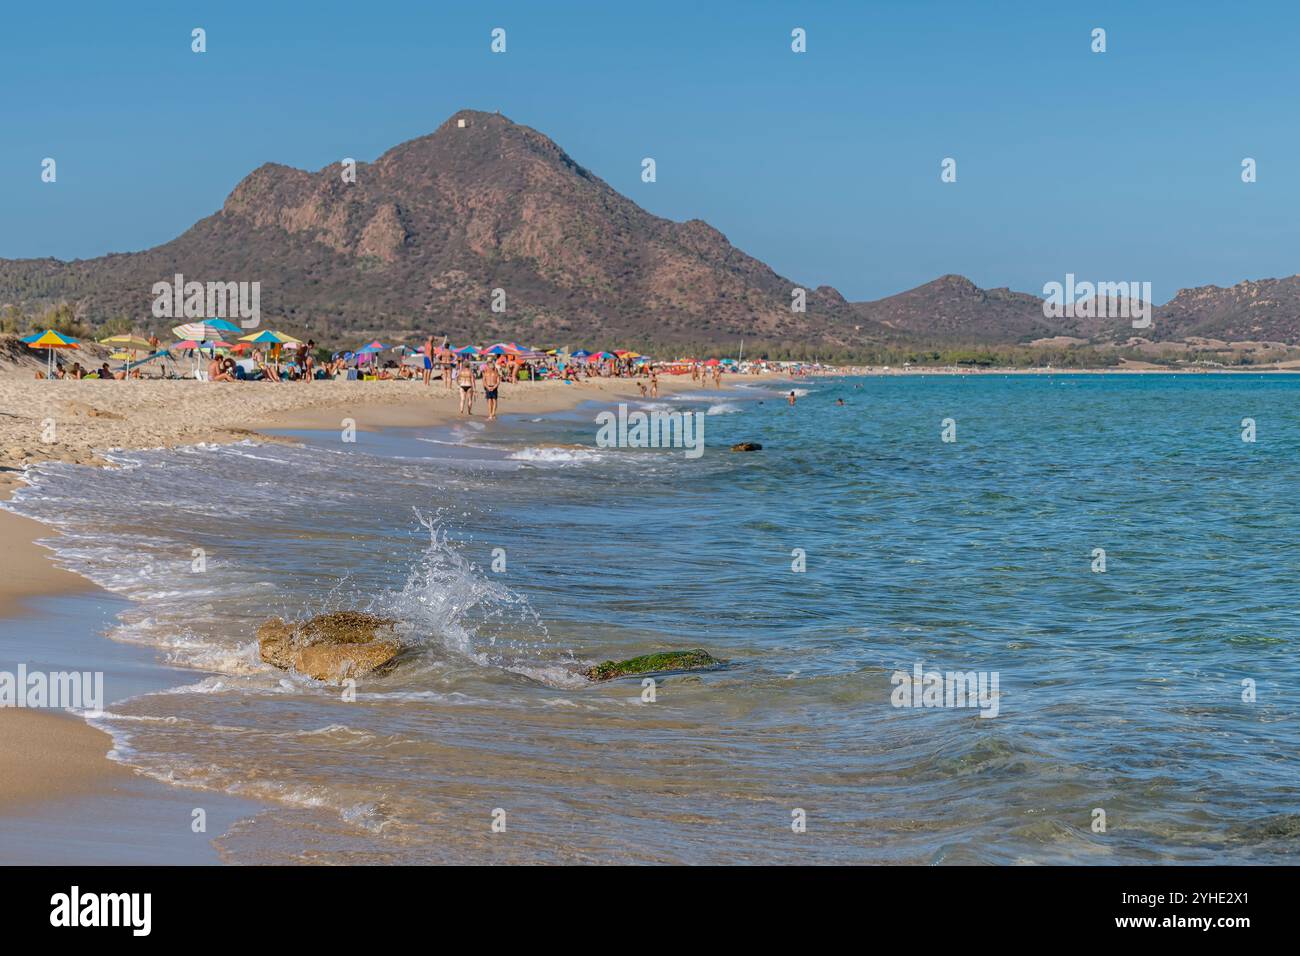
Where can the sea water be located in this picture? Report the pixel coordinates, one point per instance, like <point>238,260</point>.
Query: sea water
<point>1107,545</point>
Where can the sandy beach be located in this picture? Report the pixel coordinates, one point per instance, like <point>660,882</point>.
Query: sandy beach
<point>46,755</point>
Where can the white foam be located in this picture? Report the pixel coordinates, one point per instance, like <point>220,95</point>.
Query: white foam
<point>552,455</point>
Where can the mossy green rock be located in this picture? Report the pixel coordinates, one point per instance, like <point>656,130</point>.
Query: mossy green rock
<point>692,660</point>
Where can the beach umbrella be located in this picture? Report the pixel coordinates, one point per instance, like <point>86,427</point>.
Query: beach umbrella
<point>270,337</point>
<point>370,349</point>
<point>204,330</point>
<point>50,340</point>
<point>467,351</point>
<point>581,354</point>
<point>713,362</point>
<point>130,342</point>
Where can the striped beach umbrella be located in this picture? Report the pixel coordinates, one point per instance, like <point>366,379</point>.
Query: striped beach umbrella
<point>269,337</point>
<point>204,330</point>
<point>50,340</point>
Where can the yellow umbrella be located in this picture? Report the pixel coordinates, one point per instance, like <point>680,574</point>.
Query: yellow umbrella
<point>270,336</point>
<point>131,342</point>
<point>50,340</point>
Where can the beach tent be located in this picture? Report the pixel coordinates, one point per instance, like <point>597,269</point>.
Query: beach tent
<point>50,340</point>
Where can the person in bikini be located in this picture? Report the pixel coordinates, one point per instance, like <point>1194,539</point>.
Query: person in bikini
<point>491,382</point>
<point>465,379</point>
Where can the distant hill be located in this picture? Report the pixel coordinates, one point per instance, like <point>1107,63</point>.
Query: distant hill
<point>1264,310</point>
<point>954,308</point>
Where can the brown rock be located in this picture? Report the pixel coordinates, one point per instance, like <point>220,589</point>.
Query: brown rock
<point>330,647</point>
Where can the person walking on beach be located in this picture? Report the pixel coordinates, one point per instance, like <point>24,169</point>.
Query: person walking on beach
<point>448,364</point>
<point>491,382</point>
<point>428,359</point>
<point>465,379</point>
<point>654,384</point>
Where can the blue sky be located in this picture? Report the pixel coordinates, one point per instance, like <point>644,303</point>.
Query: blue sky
<point>1114,166</point>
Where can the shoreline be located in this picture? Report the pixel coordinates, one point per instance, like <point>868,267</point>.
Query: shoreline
<point>49,757</point>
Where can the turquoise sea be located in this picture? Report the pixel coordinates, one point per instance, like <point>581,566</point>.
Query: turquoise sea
<point>1163,690</point>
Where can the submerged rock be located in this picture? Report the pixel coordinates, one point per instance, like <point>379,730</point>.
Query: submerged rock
<point>747,446</point>
<point>330,647</point>
<point>653,664</point>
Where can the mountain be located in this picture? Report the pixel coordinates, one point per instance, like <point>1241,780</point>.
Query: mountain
<point>425,234</point>
<point>1264,310</point>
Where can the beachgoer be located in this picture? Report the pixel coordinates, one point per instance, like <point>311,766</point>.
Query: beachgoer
<point>491,382</point>
<point>654,384</point>
<point>791,398</point>
<point>465,379</point>
<point>428,359</point>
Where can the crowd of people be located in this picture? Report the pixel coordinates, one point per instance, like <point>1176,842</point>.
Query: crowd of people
<point>464,371</point>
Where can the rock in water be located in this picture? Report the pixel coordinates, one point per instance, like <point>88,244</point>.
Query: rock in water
<point>330,647</point>
<point>653,664</point>
<point>747,446</point>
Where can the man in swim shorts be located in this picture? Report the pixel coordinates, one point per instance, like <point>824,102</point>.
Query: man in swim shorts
<point>491,382</point>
